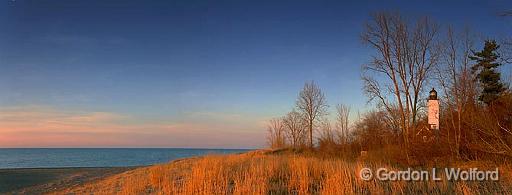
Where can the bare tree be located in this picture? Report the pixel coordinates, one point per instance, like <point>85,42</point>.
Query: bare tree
<point>276,136</point>
<point>295,128</point>
<point>371,131</point>
<point>506,48</point>
<point>342,122</point>
<point>457,83</point>
<point>312,104</point>
<point>327,137</point>
<point>326,130</point>
<point>403,61</point>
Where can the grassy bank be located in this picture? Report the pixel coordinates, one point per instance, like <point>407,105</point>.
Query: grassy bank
<point>264,172</point>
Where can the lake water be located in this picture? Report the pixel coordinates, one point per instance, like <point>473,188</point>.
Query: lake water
<point>97,157</point>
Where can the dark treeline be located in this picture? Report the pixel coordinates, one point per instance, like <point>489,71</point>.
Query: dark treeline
<point>409,58</point>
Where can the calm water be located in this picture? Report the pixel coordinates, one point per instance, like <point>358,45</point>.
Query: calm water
<point>97,157</point>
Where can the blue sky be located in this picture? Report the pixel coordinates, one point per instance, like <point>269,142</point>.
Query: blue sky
<point>194,62</point>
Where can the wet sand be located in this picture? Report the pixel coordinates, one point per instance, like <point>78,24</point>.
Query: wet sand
<point>42,180</point>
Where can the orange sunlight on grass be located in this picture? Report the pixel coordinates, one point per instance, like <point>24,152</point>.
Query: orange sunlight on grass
<point>261,172</point>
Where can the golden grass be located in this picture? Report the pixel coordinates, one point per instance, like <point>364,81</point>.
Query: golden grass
<point>260,173</point>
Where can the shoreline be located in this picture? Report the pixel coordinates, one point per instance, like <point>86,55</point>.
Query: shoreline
<point>101,167</point>
<point>43,180</point>
<point>40,180</point>
<point>97,157</point>
<point>277,172</point>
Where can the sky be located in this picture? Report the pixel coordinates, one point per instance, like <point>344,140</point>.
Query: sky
<point>195,74</point>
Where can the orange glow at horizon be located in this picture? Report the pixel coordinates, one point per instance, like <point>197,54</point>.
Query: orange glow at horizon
<point>48,127</point>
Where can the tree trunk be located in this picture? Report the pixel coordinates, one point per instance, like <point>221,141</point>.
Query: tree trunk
<point>311,134</point>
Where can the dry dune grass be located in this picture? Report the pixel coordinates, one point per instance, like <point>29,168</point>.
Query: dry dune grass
<point>259,173</point>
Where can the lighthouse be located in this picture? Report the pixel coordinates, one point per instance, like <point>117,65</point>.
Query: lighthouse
<point>433,110</point>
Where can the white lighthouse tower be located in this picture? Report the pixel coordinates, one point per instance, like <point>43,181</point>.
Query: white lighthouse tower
<point>433,111</point>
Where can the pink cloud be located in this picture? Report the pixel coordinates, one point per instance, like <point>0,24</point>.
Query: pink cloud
<point>49,127</point>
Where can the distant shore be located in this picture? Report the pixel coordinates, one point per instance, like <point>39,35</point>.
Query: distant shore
<point>43,180</point>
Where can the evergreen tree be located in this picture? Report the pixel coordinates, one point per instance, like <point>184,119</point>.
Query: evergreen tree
<point>486,73</point>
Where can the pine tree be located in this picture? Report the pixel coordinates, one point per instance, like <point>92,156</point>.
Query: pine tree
<point>486,73</point>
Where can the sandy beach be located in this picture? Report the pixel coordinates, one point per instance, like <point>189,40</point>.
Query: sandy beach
<point>42,180</point>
